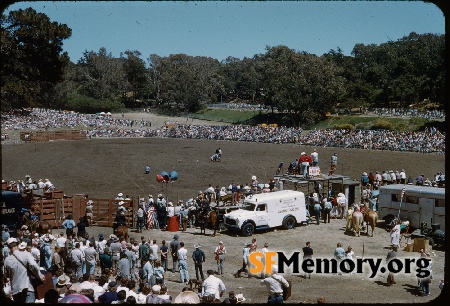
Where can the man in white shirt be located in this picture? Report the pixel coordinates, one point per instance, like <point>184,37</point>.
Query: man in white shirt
<point>275,284</point>
<point>100,244</point>
<point>61,240</point>
<point>315,158</point>
<point>213,285</point>
<point>77,258</point>
<point>263,258</point>
<point>154,252</point>
<point>170,210</point>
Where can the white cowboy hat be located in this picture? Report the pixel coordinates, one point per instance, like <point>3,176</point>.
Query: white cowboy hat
<point>170,204</point>
<point>63,280</point>
<point>150,196</point>
<point>120,194</point>
<point>11,240</point>
<point>22,245</point>
<point>160,195</point>
<point>90,202</point>
<point>341,194</point>
<point>364,173</point>
<point>156,288</point>
<point>303,153</point>
<point>197,246</point>
<point>254,177</point>
<point>315,195</point>
<point>121,203</point>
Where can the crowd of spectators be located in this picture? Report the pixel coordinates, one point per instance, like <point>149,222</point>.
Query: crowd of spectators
<point>407,112</point>
<point>40,119</point>
<point>428,141</point>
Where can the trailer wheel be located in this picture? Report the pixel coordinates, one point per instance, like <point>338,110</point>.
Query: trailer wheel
<point>248,229</point>
<point>289,223</point>
<point>388,220</point>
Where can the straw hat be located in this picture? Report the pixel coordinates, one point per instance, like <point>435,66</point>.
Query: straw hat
<point>63,280</point>
<point>120,194</point>
<point>90,202</point>
<point>197,246</point>
<point>156,288</point>
<point>121,203</point>
<point>160,195</point>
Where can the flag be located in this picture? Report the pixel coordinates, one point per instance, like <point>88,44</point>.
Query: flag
<point>403,192</point>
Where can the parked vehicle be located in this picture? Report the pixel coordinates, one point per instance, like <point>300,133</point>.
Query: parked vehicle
<point>419,204</point>
<point>268,210</point>
<point>11,211</point>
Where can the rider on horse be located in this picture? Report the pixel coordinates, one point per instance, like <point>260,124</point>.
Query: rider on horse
<point>120,216</point>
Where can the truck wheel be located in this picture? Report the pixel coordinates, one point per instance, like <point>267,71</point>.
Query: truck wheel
<point>248,229</point>
<point>289,223</point>
<point>388,220</point>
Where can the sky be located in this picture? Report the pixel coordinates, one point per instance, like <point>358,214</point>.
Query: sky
<point>235,28</point>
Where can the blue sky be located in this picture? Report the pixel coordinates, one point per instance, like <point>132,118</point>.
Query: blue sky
<point>235,28</point>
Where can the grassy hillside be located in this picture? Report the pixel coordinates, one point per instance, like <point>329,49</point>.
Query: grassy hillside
<point>254,117</point>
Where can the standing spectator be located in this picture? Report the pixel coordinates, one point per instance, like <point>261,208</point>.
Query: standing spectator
<point>424,282</point>
<point>131,256</point>
<point>263,259</point>
<point>304,161</point>
<point>140,218</point>
<point>154,252</point>
<point>317,210</point>
<point>158,272</point>
<point>174,247</point>
<point>164,250</point>
<point>182,264</point>
<point>91,257</point>
<point>115,248</point>
<point>199,258</point>
<point>81,228</point>
<point>378,180</point>
<point>5,234</point>
<point>213,286</point>
<point>339,255</point>
<point>402,177</point>
<point>77,260</point>
<point>124,266</point>
<point>144,250</point>
<point>245,255</point>
<point>275,284</point>
<point>390,256</point>
<point>47,254</point>
<point>327,207</point>
<point>147,272</point>
<point>147,169</point>
<point>315,158</point>
<point>253,246</point>
<point>395,234</point>
<point>342,204</point>
<point>89,212</point>
<point>100,244</point>
<point>16,270</point>
<point>184,217</point>
<point>364,179</point>
<point>58,263</point>
<point>220,252</point>
<point>105,261</point>
<point>307,254</point>
<point>68,224</point>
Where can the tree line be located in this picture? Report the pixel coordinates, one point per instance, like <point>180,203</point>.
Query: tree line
<point>35,72</point>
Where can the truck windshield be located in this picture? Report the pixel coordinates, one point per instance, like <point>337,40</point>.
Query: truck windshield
<point>248,206</point>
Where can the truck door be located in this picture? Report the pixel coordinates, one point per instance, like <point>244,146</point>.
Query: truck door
<point>261,215</point>
<point>426,207</point>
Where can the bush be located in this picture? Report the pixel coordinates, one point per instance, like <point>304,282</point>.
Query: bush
<point>382,125</point>
<point>345,126</point>
<point>88,105</point>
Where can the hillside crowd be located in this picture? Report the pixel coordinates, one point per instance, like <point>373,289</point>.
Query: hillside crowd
<point>428,141</point>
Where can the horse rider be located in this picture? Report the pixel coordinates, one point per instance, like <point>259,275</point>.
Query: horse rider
<point>120,216</point>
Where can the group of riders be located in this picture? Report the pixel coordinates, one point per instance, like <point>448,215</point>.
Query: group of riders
<point>155,214</point>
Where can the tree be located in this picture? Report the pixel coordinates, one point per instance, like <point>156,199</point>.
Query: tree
<point>32,61</point>
<point>136,75</point>
<point>100,75</point>
<point>300,84</point>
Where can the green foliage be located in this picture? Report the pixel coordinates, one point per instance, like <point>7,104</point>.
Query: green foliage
<point>84,104</point>
<point>418,121</point>
<point>344,126</point>
<point>382,124</point>
<point>32,58</point>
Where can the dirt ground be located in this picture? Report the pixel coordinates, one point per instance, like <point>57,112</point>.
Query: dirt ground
<point>102,168</point>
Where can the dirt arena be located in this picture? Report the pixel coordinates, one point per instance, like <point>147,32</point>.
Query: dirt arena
<point>102,168</point>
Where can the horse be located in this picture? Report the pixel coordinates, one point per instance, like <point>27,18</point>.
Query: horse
<point>43,227</point>
<point>357,219</point>
<point>349,220</point>
<point>371,217</point>
<point>211,218</point>
<point>122,232</point>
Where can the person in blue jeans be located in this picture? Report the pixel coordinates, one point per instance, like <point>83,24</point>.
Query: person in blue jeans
<point>317,209</point>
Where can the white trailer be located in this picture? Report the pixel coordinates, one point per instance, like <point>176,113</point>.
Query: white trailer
<point>419,204</point>
<point>268,210</point>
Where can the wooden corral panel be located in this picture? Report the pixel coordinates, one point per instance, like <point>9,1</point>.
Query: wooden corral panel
<point>42,136</point>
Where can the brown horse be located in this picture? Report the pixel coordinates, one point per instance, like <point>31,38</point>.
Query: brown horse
<point>43,227</point>
<point>122,233</point>
<point>371,218</point>
<point>210,218</point>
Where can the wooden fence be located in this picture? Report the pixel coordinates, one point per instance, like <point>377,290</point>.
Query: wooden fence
<point>55,210</point>
<point>44,136</point>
